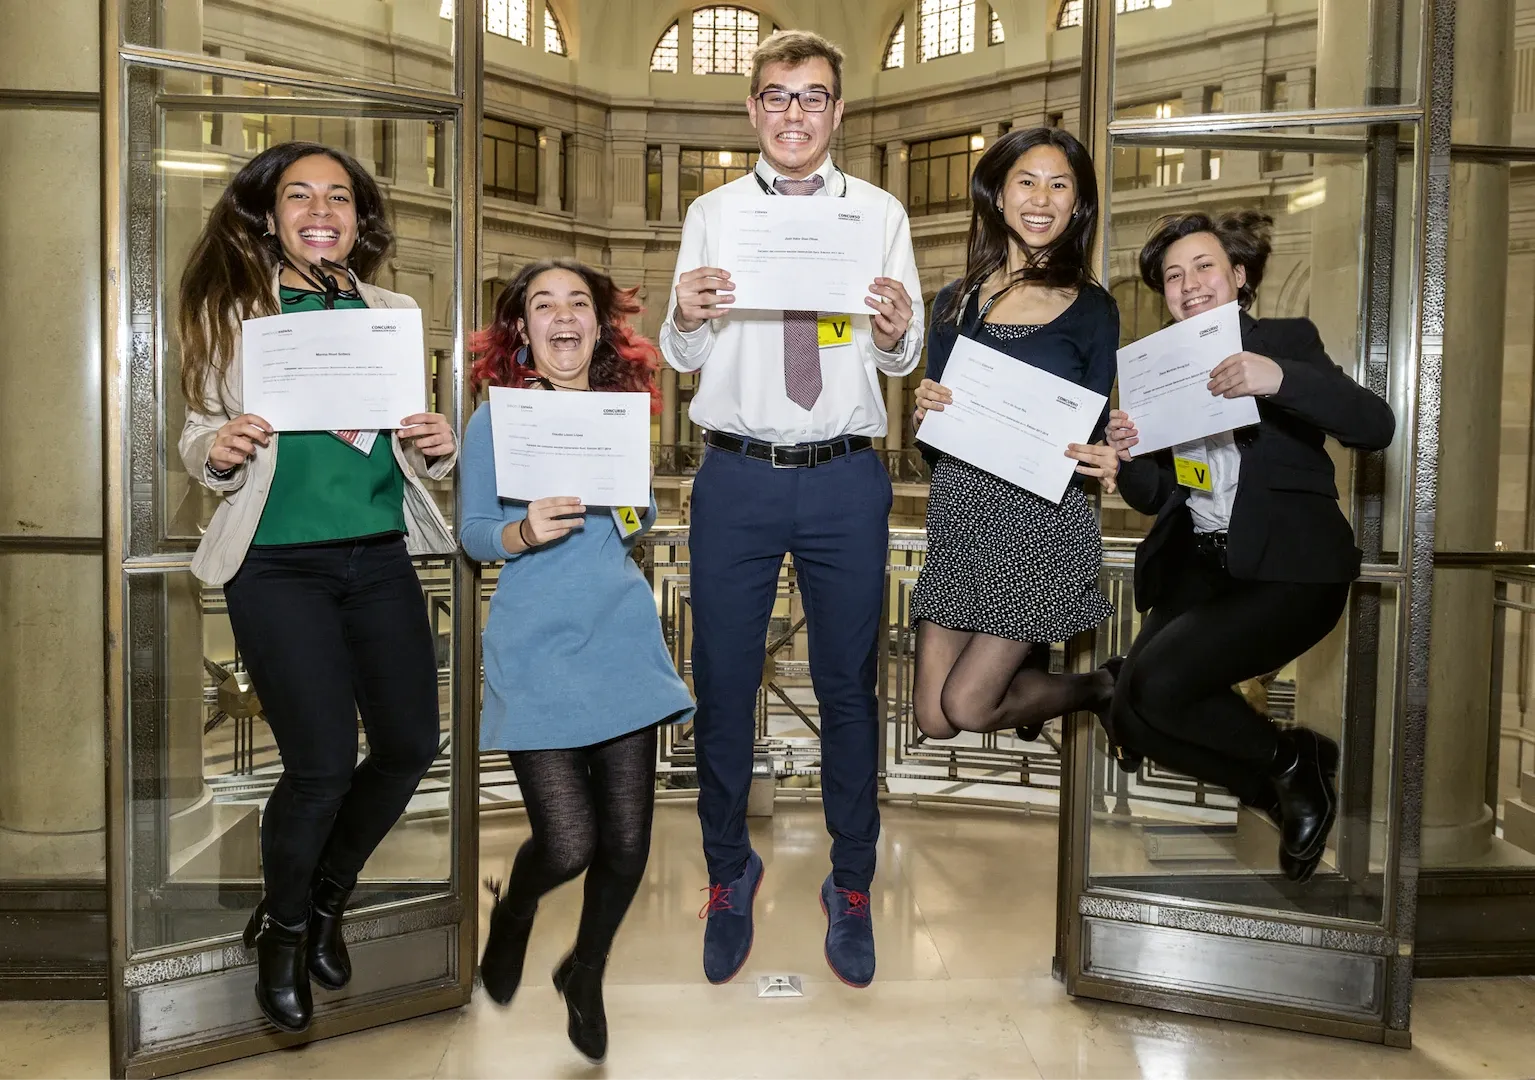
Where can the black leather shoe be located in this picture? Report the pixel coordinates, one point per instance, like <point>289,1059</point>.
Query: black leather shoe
<point>282,975</point>
<point>1129,761</point>
<point>506,947</point>
<point>329,964</point>
<point>581,986</point>
<point>1305,765</point>
<point>1297,870</point>
<point>1030,732</point>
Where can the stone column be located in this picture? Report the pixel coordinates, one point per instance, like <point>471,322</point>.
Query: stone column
<point>895,410</point>
<point>51,747</point>
<point>671,183</point>
<point>895,170</point>
<point>551,160</point>
<point>668,405</point>
<point>1457,818</point>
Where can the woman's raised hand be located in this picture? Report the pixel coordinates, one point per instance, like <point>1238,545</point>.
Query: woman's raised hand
<point>1121,433</point>
<point>432,433</point>
<point>1098,460</point>
<point>550,519</point>
<point>237,440</point>
<point>932,397</point>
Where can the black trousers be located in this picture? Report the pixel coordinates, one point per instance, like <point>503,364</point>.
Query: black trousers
<point>328,632</point>
<point>1175,701</point>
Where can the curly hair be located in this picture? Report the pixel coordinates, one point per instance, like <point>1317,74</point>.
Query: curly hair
<point>623,360</point>
<point>1243,235</point>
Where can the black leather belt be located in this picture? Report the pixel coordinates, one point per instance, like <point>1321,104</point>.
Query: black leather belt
<point>790,455</point>
<point>1211,546</point>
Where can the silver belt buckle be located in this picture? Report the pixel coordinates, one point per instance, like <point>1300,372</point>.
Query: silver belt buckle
<point>774,459</point>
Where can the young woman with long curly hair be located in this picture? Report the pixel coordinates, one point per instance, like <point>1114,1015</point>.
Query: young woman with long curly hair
<point>577,677</point>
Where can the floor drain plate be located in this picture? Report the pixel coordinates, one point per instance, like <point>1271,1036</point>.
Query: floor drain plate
<point>779,986</point>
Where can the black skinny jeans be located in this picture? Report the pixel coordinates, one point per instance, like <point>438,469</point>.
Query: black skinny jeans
<point>329,631</point>
<point>1175,701</point>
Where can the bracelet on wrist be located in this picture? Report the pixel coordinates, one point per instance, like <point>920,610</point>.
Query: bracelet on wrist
<point>523,536</point>
<point>220,474</point>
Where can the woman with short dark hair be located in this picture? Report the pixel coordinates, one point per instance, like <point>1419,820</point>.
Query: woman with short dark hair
<point>1250,560</point>
<point>1007,572</point>
<point>313,547</point>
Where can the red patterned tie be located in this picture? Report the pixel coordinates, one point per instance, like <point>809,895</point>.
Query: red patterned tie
<point>801,346</point>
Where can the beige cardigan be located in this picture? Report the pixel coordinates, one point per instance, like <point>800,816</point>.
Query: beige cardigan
<point>224,545</point>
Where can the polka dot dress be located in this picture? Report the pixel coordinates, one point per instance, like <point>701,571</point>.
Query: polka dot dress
<point>1003,561</point>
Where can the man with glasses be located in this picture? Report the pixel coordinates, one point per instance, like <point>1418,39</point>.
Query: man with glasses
<point>790,405</point>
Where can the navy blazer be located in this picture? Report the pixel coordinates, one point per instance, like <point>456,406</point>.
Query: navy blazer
<point>1286,524</point>
<point>1080,345</point>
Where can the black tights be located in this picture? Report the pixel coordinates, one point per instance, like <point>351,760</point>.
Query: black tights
<point>591,809</point>
<point>976,682</point>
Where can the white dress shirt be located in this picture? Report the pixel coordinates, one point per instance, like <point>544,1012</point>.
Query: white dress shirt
<point>740,357</point>
<point>1212,509</point>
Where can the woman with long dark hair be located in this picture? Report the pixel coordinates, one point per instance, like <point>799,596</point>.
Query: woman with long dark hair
<point>1006,571</point>
<point>577,677</point>
<point>312,542</point>
<point>1243,573</point>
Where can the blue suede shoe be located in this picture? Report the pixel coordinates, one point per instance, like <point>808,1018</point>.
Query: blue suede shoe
<point>728,934</point>
<point>849,934</point>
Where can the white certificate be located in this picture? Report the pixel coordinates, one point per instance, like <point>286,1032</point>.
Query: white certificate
<point>355,369</point>
<point>1012,419</point>
<point>594,446</point>
<point>1164,381</point>
<point>802,254</point>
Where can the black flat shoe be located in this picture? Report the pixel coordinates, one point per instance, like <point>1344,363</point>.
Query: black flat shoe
<point>506,947</point>
<point>1030,732</point>
<point>1299,871</point>
<point>1129,761</point>
<point>581,987</point>
<point>329,964</point>
<point>282,974</point>
<point>1305,766</point>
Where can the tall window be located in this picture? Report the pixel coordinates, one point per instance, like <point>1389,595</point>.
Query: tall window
<point>664,57</point>
<point>704,170</point>
<point>948,28</point>
<point>1071,10</point>
<point>724,39</point>
<point>938,174</point>
<point>994,35</point>
<point>554,37</point>
<point>511,161</point>
<point>1276,98</point>
<point>1148,166</point>
<point>506,18</point>
<point>895,48</point>
<point>437,163</point>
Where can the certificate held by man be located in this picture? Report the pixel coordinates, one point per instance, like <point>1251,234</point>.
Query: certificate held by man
<point>1164,381</point>
<point>352,369</point>
<point>592,446</point>
<point>802,254</point>
<point>1012,419</point>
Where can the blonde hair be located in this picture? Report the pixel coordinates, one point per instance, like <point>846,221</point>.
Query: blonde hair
<point>795,47</point>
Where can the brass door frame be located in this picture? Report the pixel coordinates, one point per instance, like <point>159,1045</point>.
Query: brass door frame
<point>460,907</point>
<point>1390,947</point>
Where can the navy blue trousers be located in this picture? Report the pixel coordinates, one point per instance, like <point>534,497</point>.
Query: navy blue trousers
<point>834,520</point>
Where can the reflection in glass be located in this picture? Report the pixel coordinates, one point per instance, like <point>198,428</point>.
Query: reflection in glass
<point>202,764</point>
<point>356,40</point>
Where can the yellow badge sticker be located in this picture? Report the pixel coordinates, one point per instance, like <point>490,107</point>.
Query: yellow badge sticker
<point>834,330</point>
<point>627,518</point>
<point>1193,473</point>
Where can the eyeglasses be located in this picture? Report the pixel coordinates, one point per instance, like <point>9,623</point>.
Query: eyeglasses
<point>809,100</point>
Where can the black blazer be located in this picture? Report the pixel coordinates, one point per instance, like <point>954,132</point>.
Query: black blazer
<point>1285,524</point>
<point>1079,345</point>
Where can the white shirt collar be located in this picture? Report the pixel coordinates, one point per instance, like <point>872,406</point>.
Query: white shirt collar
<point>770,174</point>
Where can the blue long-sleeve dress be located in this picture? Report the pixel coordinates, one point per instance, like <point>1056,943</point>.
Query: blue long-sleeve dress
<point>573,649</point>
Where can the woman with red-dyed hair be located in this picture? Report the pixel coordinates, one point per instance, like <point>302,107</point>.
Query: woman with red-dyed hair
<point>577,677</point>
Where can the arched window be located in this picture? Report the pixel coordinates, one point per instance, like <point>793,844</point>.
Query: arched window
<point>664,56</point>
<point>948,28</point>
<point>554,35</point>
<point>504,18</point>
<point>1071,10</point>
<point>895,48</point>
<point>994,35</point>
<point>724,39</point>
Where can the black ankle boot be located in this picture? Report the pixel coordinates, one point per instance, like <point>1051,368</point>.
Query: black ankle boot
<point>1305,764</point>
<point>506,947</point>
<point>1129,761</point>
<point>329,963</point>
<point>581,986</point>
<point>282,976</point>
